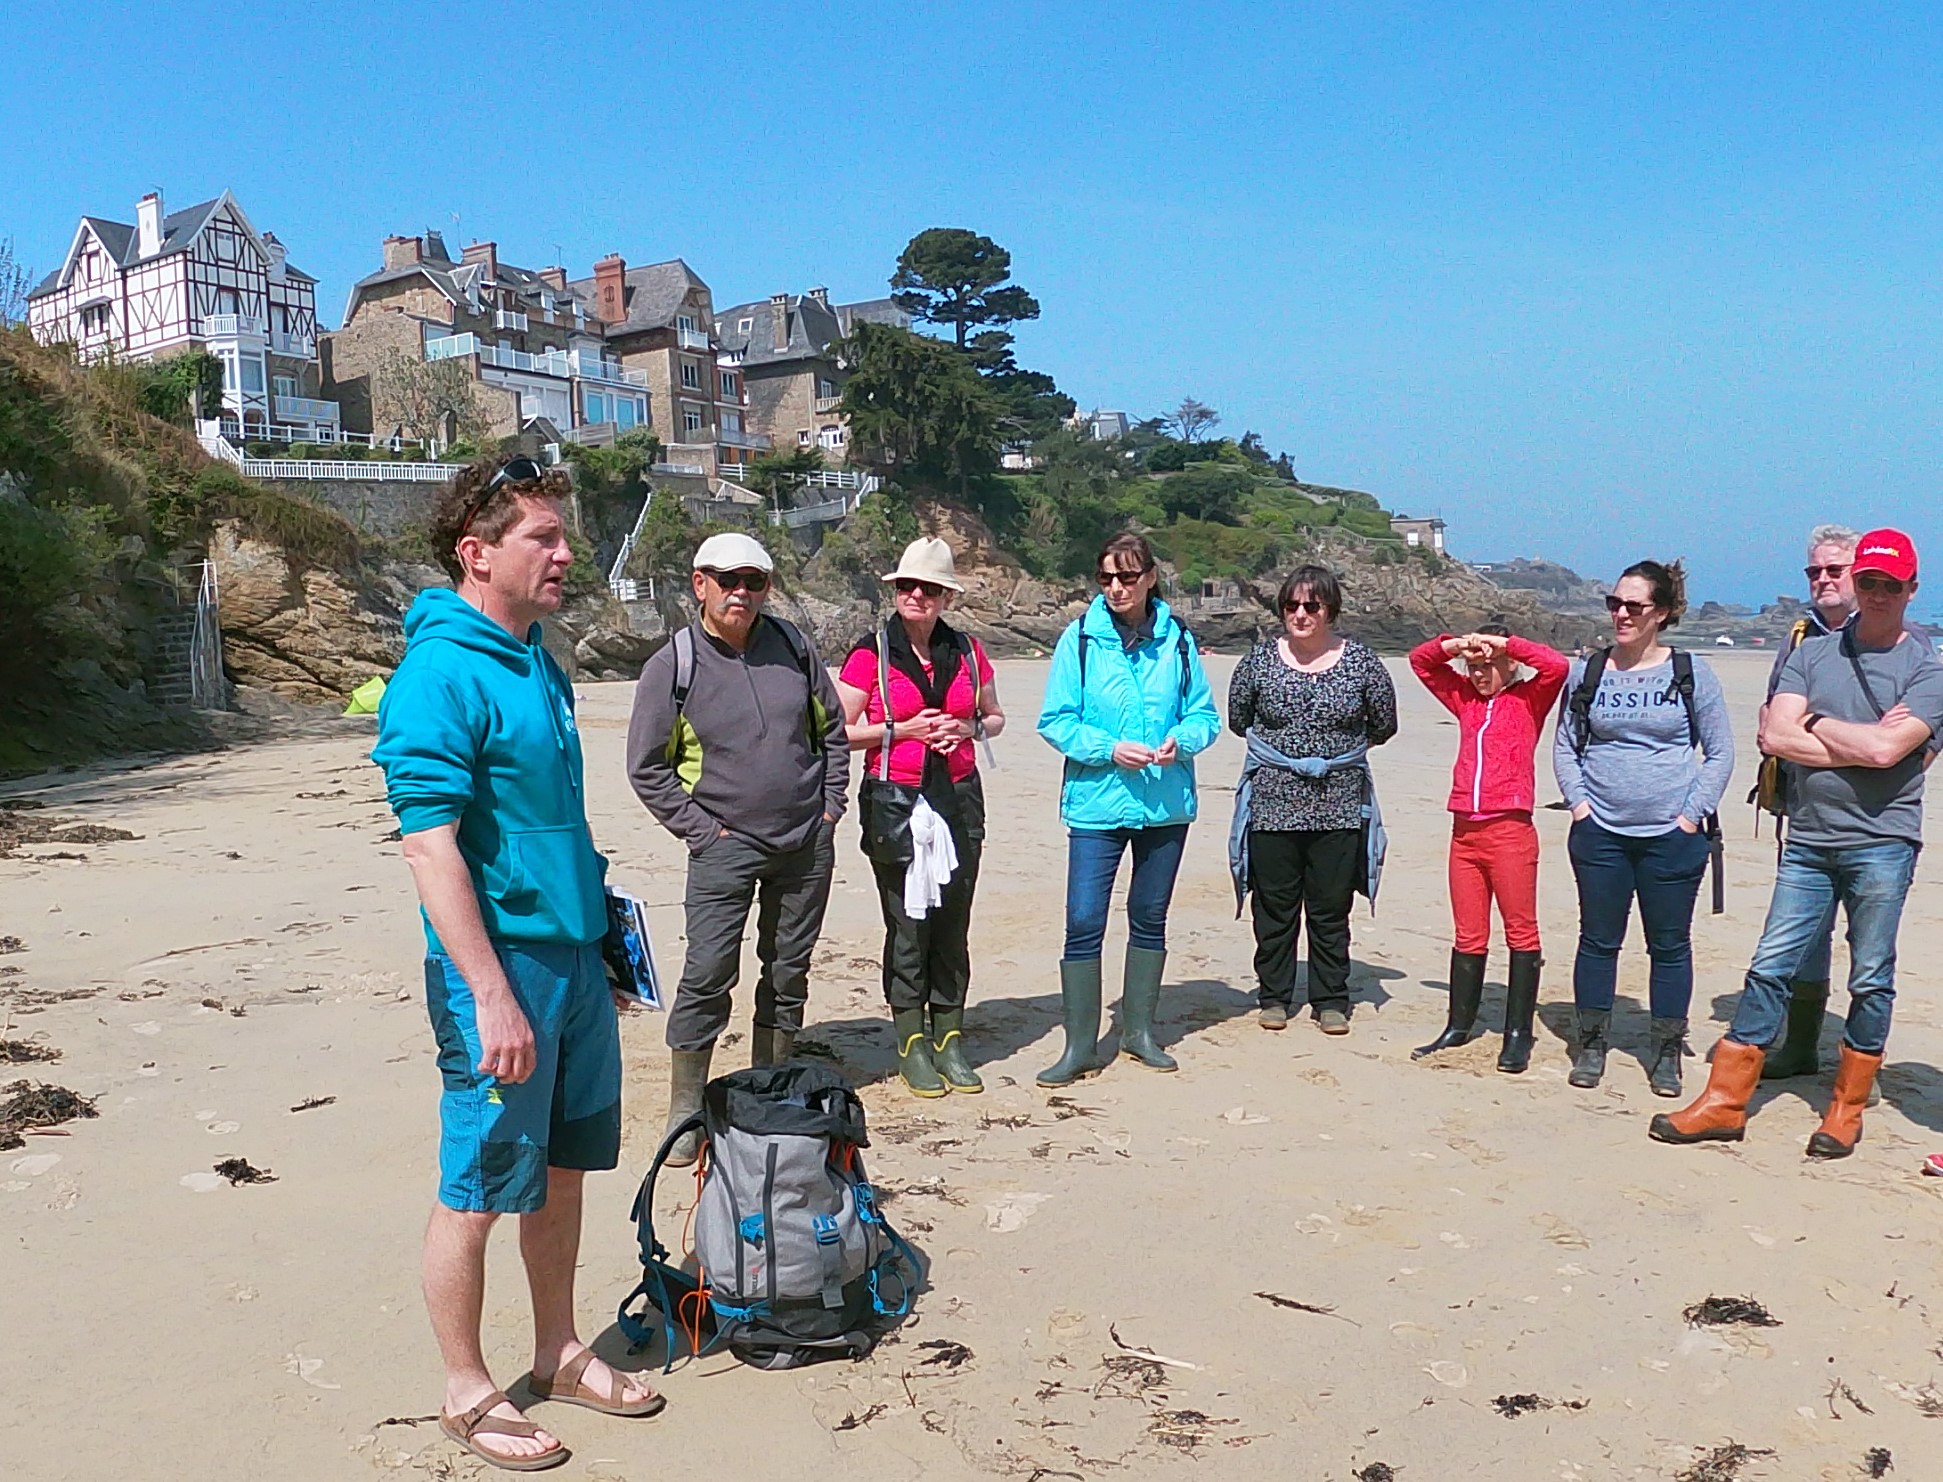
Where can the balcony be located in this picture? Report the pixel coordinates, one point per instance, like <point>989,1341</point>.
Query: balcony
<point>828,403</point>
<point>296,409</point>
<point>691,339</point>
<point>299,346</point>
<point>547,363</point>
<point>229,326</point>
<point>451,346</point>
<point>507,319</point>
<point>757,440</point>
<point>591,368</point>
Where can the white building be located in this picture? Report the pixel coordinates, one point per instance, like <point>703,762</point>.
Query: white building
<point>204,278</point>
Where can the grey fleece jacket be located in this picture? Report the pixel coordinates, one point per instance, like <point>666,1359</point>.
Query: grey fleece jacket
<point>741,756</point>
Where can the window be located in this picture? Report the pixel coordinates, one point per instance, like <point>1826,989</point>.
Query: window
<point>94,319</point>
<point>691,419</point>
<point>283,385</point>
<point>743,326</point>
<point>691,375</point>
<point>685,323</point>
<point>825,386</point>
<point>596,407</point>
<point>253,374</point>
<point>90,267</point>
<point>731,421</point>
<point>729,390</point>
<point>831,437</point>
<point>229,370</point>
<point>627,411</point>
<point>226,301</point>
<point>802,437</point>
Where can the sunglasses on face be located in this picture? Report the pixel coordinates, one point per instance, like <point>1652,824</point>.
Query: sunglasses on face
<point>1310,606</point>
<point>1634,610</point>
<point>1816,573</point>
<point>1868,582</point>
<point>516,471</point>
<point>908,585</point>
<point>1122,578</point>
<point>736,581</point>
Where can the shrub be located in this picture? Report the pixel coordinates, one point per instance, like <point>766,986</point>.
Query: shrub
<point>48,558</point>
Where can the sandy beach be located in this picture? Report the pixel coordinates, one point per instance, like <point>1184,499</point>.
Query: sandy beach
<point>1468,1235</point>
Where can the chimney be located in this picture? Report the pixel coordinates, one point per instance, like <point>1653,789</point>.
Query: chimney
<point>148,224</point>
<point>277,255</point>
<point>486,253</point>
<point>554,278</point>
<point>778,322</point>
<point>402,252</point>
<point>610,288</point>
<point>821,295</point>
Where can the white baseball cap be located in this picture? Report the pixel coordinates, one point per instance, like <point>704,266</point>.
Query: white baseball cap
<point>732,552</point>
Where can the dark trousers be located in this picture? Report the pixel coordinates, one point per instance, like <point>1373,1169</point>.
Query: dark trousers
<point>1292,872</point>
<point>927,959</point>
<point>1663,871</point>
<point>1093,862</point>
<point>790,892</point>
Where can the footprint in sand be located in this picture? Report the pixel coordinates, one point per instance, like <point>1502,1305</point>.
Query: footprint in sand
<point>1009,1212</point>
<point>201,1183</point>
<point>34,1164</point>
<point>147,1026</point>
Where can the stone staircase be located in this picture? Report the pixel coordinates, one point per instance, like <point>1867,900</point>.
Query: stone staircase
<point>168,679</point>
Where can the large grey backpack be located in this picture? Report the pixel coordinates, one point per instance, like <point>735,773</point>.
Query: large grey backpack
<point>796,1263</point>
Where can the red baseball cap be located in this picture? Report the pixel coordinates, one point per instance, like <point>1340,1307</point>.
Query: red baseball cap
<point>1889,551</point>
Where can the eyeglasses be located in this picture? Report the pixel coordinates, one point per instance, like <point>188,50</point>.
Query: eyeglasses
<point>1311,606</point>
<point>516,471</point>
<point>1121,578</point>
<point>1869,582</point>
<point>907,585</point>
<point>1816,573</point>
<point>1634,610</point>
<point>736,581</point>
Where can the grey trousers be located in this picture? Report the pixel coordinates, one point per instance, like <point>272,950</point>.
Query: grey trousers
<point>790,892</point>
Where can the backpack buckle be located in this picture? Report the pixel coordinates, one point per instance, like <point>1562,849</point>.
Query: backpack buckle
<point>751,1229</point>
<point>826,1229</point>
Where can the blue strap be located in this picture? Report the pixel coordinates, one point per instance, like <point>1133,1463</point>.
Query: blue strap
<point>751,1229</point>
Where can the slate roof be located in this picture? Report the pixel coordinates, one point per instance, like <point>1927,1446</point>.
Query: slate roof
<point>118,238</point>
<point>455,280</point>
<point>651,294</point>
<point>812,327</point>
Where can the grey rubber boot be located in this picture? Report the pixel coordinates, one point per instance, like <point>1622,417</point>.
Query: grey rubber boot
<point>1589,1060</point>
<point>1139,1001</point>
<point>687,1075</point>
<point>1467,992</point>
<point>921,1077</point>
<point>948,1052</point>
<point>771,1046</point>
<point>1520,1005</point>
<point>1079,996</point>
<point>1799,1050</point>
<point>1669,1042</point>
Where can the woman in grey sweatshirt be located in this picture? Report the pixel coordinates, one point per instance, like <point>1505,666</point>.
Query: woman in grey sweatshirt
<point>1641,794</point>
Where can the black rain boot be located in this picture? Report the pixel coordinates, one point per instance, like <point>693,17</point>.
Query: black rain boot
<point>1520,1004</point>
<point>1139,1001</point>
<point>687,1075</point>
<point>1079,997</point>
<point>914,1055</point>
<point>1669,1041</point>
<point>948,1052</point>
<point>1589,1060</point>
<point>1460,1019</point>
<point>770,1046</point>
<point>1799,1050</point>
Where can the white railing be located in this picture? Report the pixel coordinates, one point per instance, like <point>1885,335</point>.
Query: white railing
<point>842,478</point>
<point>624,588</point>
<point>219,447</point>
<point>206,688</point>
<point>372,470</point>
<point>508,319</point>
<point>304,409</point>
<point>231,324</point>
<point>691,339</point>
<point>301,346</point>
<point>693,470</point>
<point>451,346</point>
<point>828,403</point>
<point>827,512</point>
<point>590,368</point>
<point>756,440</point>
<point>547,363</point>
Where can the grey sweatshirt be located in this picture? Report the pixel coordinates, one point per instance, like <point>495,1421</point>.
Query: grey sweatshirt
<point>743,757</point>
<point>1640,773</point>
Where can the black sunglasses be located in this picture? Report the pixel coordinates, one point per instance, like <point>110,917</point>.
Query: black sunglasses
<point>1308,605</point>
<point>1121,578</point>
<point>1816,573</point>
<point>1870,582</point>
<point>735,581</point>
<point>516,471</point>
<point>1635,610</point>
<point>909,584</point>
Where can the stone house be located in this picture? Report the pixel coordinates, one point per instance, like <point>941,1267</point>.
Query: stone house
<point>784,349</point>
<point>1425,534</point>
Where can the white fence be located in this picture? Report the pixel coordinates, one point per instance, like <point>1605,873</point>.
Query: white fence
<point>374,470</point>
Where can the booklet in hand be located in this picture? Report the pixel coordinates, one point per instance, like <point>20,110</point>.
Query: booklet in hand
<point>628,950</point>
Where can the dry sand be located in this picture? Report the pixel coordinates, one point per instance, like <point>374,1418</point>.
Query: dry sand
<point>1475,1235</point>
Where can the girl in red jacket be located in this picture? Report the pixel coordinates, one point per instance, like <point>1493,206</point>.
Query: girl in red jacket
<point>1494,848</point>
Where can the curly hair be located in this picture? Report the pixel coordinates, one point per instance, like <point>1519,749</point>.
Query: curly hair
<point>453,515</point>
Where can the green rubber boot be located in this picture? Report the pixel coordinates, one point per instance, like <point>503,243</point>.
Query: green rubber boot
<point>687,1075</point>
<point>914,1055</point>
<point>1139,999</point>
<point>948,1052</point>
<point>1079,995</point>
<point>1798,1052</point>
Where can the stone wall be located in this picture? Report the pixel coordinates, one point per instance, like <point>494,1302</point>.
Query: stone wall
<point>386,508</point>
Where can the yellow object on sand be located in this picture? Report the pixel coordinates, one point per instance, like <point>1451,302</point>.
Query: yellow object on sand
<point>365,698</point>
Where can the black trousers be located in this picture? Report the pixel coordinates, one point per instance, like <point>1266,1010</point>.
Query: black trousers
<point>927,960</point>
<point>1312,870</point>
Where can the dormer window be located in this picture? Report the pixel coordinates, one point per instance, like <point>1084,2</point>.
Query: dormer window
<point>685,322</point>
<point>743,326</point>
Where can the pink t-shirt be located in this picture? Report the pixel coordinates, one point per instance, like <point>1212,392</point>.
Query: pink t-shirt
<point>907,757</point>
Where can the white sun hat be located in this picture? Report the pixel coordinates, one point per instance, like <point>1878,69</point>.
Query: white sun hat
<point>732,551</point>
<point>927,559</point>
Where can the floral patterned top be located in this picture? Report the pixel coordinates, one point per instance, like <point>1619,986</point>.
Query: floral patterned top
<point>1349,704</point>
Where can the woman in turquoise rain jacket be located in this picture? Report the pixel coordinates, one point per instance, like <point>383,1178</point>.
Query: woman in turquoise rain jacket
<point>1127,705</point>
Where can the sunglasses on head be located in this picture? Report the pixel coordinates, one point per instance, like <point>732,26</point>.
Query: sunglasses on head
<point>1122,578</point>
<point>1868,581</point>
<point>516,471</point>
<point>1308,605</point>
<point>1634,610</point>
<point>1833,573</point>
<point>906,585</point>
<point>736,581</point>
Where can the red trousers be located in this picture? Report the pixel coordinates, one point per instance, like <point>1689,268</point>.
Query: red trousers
<point>1494,858</point>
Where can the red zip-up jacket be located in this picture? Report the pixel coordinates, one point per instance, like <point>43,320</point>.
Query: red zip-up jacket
<point>1496,737</point>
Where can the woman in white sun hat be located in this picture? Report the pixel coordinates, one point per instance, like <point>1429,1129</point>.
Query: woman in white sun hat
<point>915,693</point>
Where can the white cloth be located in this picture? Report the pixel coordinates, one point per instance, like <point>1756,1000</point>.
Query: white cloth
<point>934,859</point>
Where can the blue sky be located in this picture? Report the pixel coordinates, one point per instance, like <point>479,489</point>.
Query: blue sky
<point>1593,282</point>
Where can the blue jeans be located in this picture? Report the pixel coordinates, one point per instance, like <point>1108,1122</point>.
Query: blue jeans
<point>1092,863</point>
<point>1663,871</point>
<point>1871,883</point>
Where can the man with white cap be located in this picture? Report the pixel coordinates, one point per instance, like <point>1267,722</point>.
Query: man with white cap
<point>737,746</point>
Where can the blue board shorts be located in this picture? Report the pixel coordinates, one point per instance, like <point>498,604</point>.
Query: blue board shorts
<point>496,1141</point>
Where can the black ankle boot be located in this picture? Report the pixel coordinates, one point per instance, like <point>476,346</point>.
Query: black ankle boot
<point>1520,1004</point>
<point>1589,1060</point>
<point>1460,1019</point>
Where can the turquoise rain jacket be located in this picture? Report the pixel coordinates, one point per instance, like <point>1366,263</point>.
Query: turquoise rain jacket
<point>476,727</point>
<point>1130,695</point>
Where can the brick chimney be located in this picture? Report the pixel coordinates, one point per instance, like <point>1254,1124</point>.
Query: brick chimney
<point>821,295</point>
<point>554,278</point>
<point>779,322</point>
<point>402,252</point>
<point>610,288</point>
<point>148,224</point>
<point>486,253</point>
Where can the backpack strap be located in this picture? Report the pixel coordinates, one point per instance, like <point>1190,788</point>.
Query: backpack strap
<point>1683,687</point>
<point>799,646</point>
<point>884,698</point>
<point>684,643</point>
<point>664,1285</point>
<point>1578,704</point>
<point>1849,652</point>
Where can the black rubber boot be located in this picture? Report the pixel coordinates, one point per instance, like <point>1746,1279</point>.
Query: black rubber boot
<point>1520,1004</point>
<point>1799,1050</point>
<point>1589,1060</point>
<point>771,1046</point>
<point>921,1077</point>
<point>1079,995</point>
<point>1669,1041</point>
<point>687,1075</point>
<point>1460,1019</point>
<point>1139,1000</point>
<point>948,1052</point>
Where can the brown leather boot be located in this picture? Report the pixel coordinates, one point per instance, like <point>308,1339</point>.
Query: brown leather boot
<point>1841,1129</point>
<point>1720,1115</point>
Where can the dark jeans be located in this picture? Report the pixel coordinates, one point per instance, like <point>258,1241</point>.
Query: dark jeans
<point>790,892</point>
<point>1663,871</point>
<point>1092,863</point>
<point>927,960</point>
<point>1290,872</point>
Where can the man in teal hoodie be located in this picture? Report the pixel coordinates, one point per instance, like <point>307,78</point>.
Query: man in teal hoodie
<point>482,766</point>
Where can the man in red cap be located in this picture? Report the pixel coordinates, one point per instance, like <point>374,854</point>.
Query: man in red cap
<point>1855,712</point>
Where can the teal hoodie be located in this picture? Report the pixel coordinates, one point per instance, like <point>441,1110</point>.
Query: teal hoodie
<point>1130,695</point>
<point>477,728</point>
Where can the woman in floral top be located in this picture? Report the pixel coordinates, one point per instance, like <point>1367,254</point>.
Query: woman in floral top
<point>1309,693</point>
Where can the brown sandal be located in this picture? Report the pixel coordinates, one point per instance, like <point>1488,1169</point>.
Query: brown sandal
<point>569,1388</point>
<point>476,1422</point>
